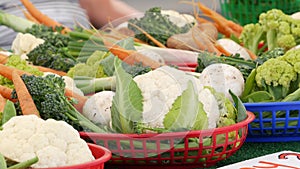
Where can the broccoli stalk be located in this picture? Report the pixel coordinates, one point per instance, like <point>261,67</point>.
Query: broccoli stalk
<point>48,94</point>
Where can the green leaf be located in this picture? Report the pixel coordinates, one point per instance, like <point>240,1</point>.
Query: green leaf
<point>127,104</point>
<point>249,84</point>
<point>8,112</point>
<point>186,112</point>
<point>2,162</point>
<point>241,110</point>
<point>259,96</point>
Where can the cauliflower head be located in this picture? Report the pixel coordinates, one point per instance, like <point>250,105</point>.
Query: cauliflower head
<point>24,43</point>
<point>98,107</point>
<point>55,143</point>
<point>160,88</point>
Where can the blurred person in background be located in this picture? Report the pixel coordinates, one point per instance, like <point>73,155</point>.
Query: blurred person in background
<point>68,13</point>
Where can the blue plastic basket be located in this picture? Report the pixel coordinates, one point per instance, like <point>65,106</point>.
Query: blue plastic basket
<point>274,122</point>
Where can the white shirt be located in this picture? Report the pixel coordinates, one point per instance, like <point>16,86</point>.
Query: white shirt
<point>67,12</point>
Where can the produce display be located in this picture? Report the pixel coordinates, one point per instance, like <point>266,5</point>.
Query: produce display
<point>164,81</point>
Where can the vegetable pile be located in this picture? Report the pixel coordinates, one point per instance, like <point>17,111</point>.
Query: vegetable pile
<point>169,74</point>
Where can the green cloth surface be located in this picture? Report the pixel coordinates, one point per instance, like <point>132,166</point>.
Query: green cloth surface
<point>252,150</point>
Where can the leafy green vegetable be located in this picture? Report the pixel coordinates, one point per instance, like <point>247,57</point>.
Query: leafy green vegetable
<point>2,162</point>
<point>8,112</point>
<point>187,112</point>
<point>157,25</point>
<point>127,104</point>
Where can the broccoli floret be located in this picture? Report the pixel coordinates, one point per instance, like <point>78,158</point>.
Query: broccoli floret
<point>48,94</point>
<point>279,76</point>
<point>17,62</point>
<point>251,36</point>
<point>50,56</point>
<point>274,29</point>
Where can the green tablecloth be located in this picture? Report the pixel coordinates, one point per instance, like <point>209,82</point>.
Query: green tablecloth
<point>252,150</point>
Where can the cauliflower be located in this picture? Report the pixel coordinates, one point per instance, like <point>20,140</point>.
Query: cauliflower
<point>160,88</point>
<point>179,19</point>
<point>277,78</point>
<point>55,143</point>
<point>97,107</point>
<point>24,43</point>
<point>223,77</point>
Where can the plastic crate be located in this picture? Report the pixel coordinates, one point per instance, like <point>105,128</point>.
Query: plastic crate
<point>173,150</point>
<point>248,11</point>
<point>274,122</point>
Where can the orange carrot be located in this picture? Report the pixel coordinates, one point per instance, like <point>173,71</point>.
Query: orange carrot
<point>6,92</point>
<point>26,102</point>
<point>252,55</point>
<point>2,103</point>
<point>155,41</point>
<point>3,59</point>
<point>80,99</point>
<point>6,71</point>
<point>45,69</point>
<point>42,18</point>
<point>222,50</point>
<point>130,56</point>
<point>30,17</point>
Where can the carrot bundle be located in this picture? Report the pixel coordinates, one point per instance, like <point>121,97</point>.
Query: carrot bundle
<point>42,18</point>
<point>26,102</point>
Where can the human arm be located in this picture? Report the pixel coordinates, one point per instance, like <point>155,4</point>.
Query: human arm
<point>101,12</point>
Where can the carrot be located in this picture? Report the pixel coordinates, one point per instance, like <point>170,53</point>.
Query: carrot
<point>30,17</point>
<point>3,59</point>
<point>130,56</point>
<point>6,92</point>
<point>222,50</point>
<point>2,103</point>
<point>42,18</point>
<point>45,69</point>
<point>252,55</point>
<point>155,41</point>
<point>26,102</point>
<point>80,99</point>
<point>6,71</point>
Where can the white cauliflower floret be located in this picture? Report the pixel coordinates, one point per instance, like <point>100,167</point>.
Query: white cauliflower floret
<point>210,103</point>
<point>178,18</point>
<point>24,43</point>
<point>97,107</point>
<point>55,143</point>
<point>223,77</point>
<point>160,88</point>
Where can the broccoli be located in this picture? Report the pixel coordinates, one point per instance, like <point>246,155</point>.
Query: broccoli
<point>48,95</point>
<point>278,77</point>
<point>17,62</point>
<point>157,25</point>
<point>53,53</point>
<point>274,29</point>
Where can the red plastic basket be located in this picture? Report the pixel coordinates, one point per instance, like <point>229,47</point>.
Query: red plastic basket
<point>174,150</point>
<point>101,155</point>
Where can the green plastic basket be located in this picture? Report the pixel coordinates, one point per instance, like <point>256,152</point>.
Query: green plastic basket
<point>248,11</point>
